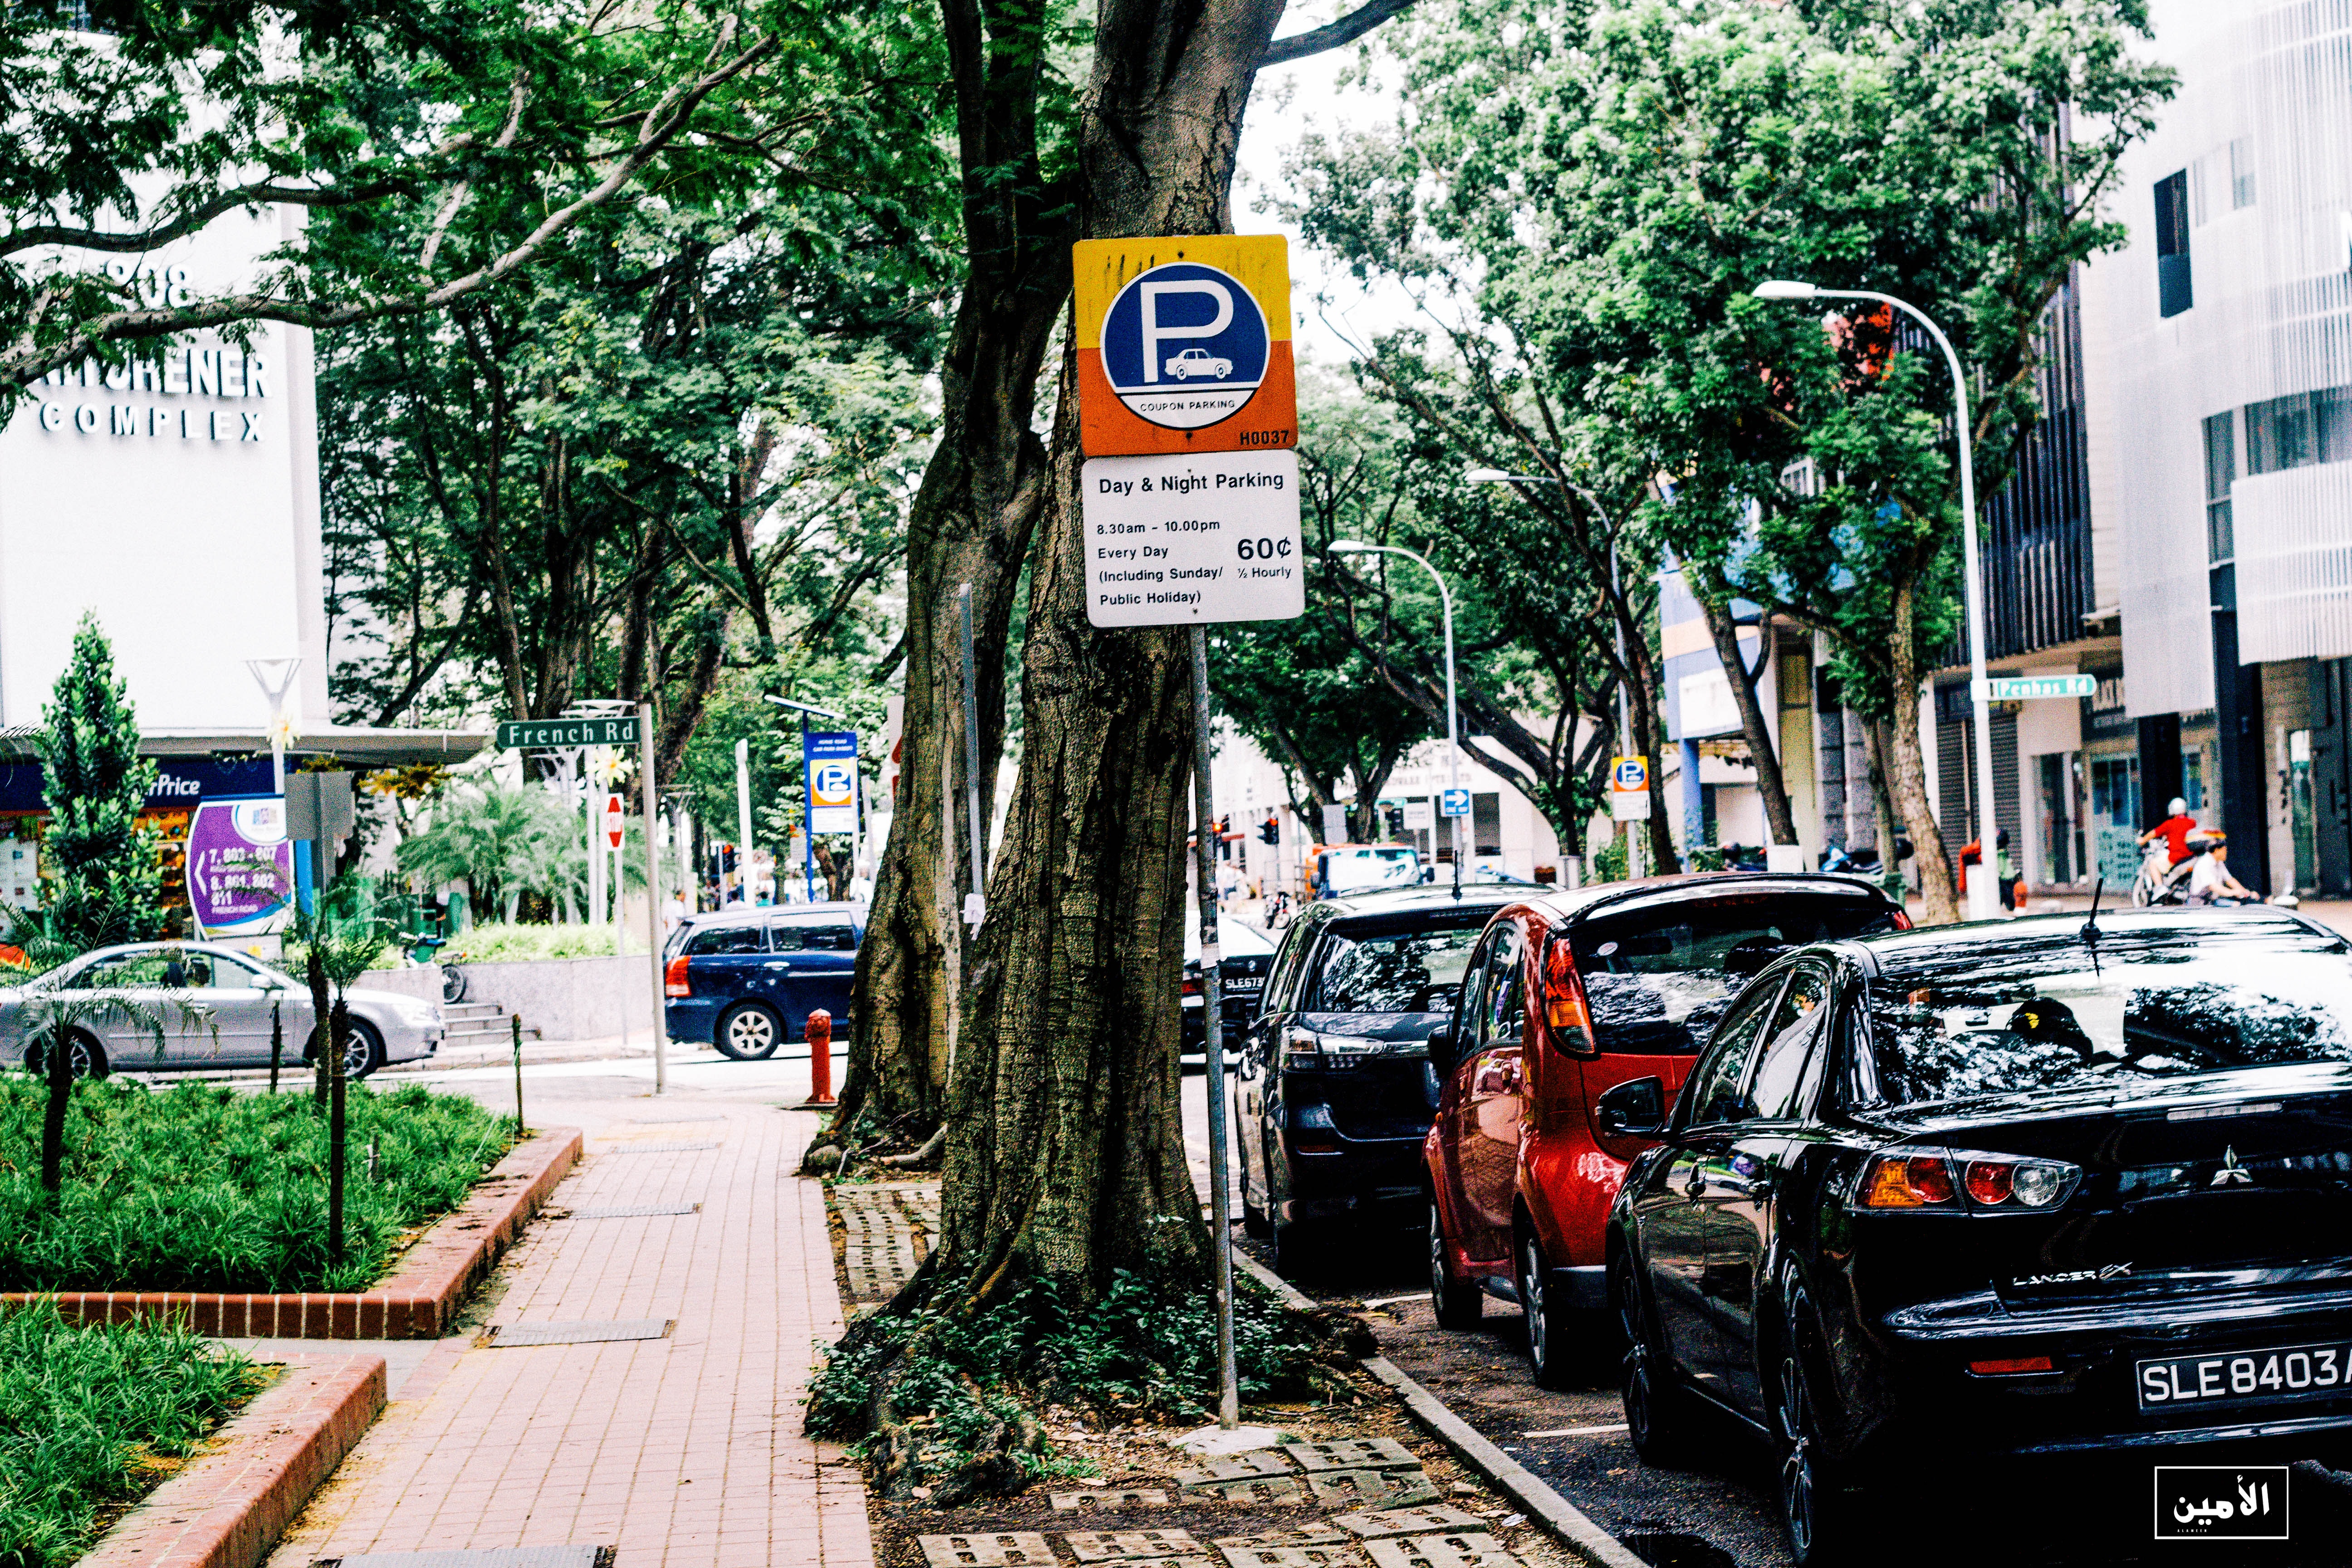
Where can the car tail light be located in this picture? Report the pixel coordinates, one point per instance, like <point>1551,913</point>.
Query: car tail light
<point>1192,984</point>
<point>1937,1179</point>
<point>674,981</point>
<point>1902,921</point>
<point>1907,1182</point>
<point>1567,1018</point>
<point>2010,1368</point>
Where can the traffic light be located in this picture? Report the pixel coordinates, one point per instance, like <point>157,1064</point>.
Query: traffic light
<point>1226,837</point>
<point>1270,830</point>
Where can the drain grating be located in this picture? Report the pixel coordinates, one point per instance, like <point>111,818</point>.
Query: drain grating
<point>580,1332</point>
<point>634,1211</point>
<point>486,1557</point>
<point>657,1148</point>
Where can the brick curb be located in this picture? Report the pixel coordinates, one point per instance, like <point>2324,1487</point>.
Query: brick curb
<point>228,1508</point>
<point>416,1304</point>
<point>1561,1518</point>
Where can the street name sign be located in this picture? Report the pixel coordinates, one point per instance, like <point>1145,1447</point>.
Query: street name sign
<point>829,759</point>
<point>2027,688</point>
<point>1183,344</point>
<point>1188,541</point>
<point>549,734</point>
<point>1453,803</point>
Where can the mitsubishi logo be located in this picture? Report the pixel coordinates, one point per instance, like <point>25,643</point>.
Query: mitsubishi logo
<point>2231,1172</point>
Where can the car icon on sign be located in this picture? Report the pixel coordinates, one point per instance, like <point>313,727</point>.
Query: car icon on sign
<point>1199,361</point>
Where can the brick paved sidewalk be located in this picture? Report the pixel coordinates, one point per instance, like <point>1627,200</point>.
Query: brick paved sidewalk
<point>683,1451</point>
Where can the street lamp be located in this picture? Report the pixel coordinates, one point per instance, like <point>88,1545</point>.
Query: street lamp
<point>275,679</point>
<point>808,829</point>
<point>1624,705</point>
<point>1453,714</point>
<point>1983,893</point>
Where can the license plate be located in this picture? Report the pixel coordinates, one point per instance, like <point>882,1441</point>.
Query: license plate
<point>2245,1377</point>
<point>1245,982</point>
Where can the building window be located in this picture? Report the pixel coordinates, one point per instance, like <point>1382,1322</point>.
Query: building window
<point>2172,293</point>
<point>2294,431</point>
<point>2221,473</point>
<point>2242,173</point>
<point>2192,778</point>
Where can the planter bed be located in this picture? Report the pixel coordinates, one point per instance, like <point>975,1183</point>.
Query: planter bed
<point>427,1283</point>
<point>90,1420</point>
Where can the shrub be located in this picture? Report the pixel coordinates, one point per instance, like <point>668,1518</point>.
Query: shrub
<point>86,1413</point>
<point>196,1187</point>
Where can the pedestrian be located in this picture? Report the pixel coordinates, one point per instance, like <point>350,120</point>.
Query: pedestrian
<point>673,913</point>
<point>2004,869</point>
<point>2209,882</point>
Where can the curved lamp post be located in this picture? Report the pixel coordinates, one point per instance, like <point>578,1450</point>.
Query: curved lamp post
<point>1453,716</point>
<point>1984,896</point>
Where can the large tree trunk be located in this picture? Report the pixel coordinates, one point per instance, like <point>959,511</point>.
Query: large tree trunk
<point>1778,820</point>
<point>1939,905</point>
<point>1065,1150</point>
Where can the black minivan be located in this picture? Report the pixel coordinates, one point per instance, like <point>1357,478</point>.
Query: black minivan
<point>1335,1088</point>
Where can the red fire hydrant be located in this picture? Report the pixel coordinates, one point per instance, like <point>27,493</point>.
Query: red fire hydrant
<point>819,1043</point>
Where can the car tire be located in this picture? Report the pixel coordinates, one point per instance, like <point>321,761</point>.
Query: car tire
<point>749,1033</point>
<point>1823,1511</point>
<point>1657,1411</point>
<point>1459,1303</point>
<point>363,1052</point>
<point>84,1056</point>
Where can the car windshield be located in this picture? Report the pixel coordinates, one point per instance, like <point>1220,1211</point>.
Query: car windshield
<point>1404,971</point>
<point>1657,979</point>
<point>1998,1016</point>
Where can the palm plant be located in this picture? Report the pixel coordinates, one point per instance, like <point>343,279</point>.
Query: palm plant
<point>500,838</point>
<point>341,932</point>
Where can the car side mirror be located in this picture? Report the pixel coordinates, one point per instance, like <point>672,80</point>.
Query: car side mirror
<point>1633,1109</point>
<point>1440,1045</point>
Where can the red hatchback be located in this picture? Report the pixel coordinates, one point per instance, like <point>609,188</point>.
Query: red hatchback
<point>1576,1006</point>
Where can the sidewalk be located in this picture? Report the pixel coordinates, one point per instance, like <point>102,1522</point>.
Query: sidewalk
<point>675,1451</point>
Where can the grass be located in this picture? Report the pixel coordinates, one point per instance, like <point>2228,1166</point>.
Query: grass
<point>196,1187</point>
<point>92,1418</point>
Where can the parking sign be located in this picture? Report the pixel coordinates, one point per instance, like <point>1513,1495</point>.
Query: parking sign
<point>830,760</point>
<point>1184,346</point>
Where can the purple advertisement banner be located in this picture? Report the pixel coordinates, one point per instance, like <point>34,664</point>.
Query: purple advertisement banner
<point>240,867</point>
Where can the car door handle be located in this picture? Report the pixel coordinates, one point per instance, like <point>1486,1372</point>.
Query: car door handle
<point>777,963</point>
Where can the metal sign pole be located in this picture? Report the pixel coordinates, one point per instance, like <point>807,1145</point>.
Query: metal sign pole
<point>653,893</point>
<point>978,903</point>
<point>1212,1038</point>
<point>808,817</point>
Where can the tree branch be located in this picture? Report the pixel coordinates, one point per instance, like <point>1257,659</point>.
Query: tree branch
<point>1344,31</point>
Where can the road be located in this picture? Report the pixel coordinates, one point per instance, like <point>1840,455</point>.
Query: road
<point>1724,1515</point>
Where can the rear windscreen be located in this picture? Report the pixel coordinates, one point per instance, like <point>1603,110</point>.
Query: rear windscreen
<point>1402,972</point>
<point>1657,979</point>
<point>1998,1017</point>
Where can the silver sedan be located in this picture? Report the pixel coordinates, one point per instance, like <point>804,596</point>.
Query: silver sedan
<point>214,1004</point>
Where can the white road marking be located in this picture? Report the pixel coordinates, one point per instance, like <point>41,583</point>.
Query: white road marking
<point>1575,1431</point>
<point>1392,1300</point>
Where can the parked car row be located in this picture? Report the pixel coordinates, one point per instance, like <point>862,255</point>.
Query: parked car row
<point>1752,1148</point>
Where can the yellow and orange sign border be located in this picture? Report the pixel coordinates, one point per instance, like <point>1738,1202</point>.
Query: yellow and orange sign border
<point>1259,263</point>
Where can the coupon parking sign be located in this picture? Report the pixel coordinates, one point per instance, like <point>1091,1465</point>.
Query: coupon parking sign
<point>1184,346</point>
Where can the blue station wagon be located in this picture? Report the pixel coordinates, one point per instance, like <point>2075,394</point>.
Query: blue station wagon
<point>746,980</point>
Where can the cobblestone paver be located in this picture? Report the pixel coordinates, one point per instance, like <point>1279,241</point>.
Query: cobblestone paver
<point>680,1452</point>
<point>886,1230</point>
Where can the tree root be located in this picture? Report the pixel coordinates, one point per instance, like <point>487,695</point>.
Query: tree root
<point>926,1157</point>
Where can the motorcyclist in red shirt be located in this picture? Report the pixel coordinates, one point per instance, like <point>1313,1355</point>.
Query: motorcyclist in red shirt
<point>2175,829</point>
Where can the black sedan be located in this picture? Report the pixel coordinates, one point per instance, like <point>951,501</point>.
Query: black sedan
<point>1334,1089</point>
<point>1999,1193</point>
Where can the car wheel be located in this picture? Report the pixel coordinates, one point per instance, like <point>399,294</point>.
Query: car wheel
<point>749,1033</point>
<point>85,1058</point>
<point>1657,1415</point>
<point>1819,1506</point>
<point>1548,1329</point>
<point>363,1052</point>
<point>1459,1303</point>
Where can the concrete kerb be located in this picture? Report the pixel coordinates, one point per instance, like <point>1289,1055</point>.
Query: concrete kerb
<point>230,1506</point>
<point>1562,1520</point>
